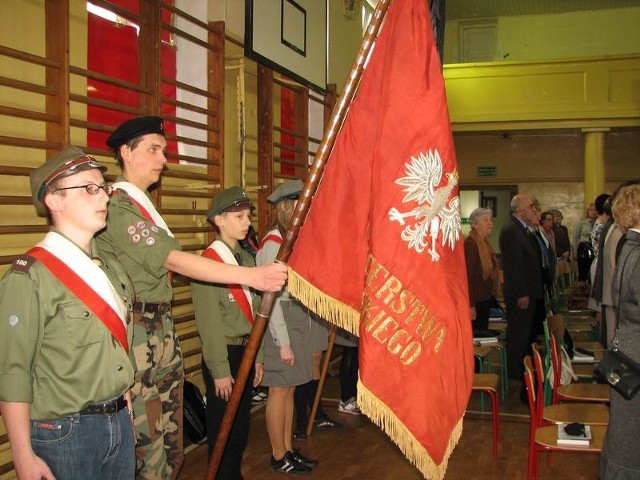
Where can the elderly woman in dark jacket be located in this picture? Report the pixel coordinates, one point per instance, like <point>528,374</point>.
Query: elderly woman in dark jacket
<point>482,266</point>
<point>620,459</point>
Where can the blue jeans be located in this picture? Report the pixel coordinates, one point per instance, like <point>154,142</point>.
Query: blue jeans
<point>96,447</point>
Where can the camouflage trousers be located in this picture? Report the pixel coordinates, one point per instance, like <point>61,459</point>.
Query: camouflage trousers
<point>157,396</point>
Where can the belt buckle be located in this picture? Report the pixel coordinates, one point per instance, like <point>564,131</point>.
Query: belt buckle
<point>107,408</point>
<point>163,307</point>
<point>139,307</point>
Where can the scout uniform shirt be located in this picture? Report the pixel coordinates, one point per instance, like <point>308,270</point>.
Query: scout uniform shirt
<point>54,352</point>
<point>218,316</point>
<point>141,246</point>
<point>267,253</point>
<point>289,325</point>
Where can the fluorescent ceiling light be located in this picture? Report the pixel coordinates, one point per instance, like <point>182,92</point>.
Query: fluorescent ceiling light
<point>110,16</point>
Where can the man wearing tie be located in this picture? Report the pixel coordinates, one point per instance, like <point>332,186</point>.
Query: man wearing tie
<point>522,265</point>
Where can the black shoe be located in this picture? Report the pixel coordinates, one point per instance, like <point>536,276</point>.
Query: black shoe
<point>288,464</point>
<point>304,460</point>
<point>300,433</point>
<point>325,423</point>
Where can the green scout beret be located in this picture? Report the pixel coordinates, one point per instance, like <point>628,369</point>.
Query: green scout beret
<point>286,191</point>
<point>232,199</point>
<point>133,128</point>
<point>68,162</point>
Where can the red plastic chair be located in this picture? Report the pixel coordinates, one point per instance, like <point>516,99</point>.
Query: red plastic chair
<point>590,413</point>
<point>574,392</point>
<point>543,438</point>
<point>489,383</point>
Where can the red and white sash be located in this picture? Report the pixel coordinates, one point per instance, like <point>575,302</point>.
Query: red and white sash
<point>219,252</point>
<point>86,280</point>
<point>273,236</point>
<point>144,204</point>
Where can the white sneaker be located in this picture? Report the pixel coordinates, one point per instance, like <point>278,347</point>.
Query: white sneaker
<point>258,396</point>
<point>350,407</point>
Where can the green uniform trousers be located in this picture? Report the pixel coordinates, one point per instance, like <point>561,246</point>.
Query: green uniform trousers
<point>157,395</point>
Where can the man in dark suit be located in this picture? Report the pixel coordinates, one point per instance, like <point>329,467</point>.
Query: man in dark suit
<point>523,289</point>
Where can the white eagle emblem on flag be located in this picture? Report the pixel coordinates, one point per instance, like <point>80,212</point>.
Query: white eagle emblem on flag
<point>437,213</point>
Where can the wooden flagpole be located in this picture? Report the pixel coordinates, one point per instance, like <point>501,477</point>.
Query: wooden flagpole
<point>302,208</point>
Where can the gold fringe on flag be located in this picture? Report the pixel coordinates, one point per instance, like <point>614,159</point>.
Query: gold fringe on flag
<point>384,417</point>
<point>327,307</point>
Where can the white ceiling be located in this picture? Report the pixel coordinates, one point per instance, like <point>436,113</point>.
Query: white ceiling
<point>469,9</point>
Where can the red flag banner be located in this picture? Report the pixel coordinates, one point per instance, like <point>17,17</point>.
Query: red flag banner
<point>381,251</point>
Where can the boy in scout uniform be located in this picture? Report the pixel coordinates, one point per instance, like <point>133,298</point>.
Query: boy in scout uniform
<point>224,317</point>
<point>138,235</point>
<point>64,366</point>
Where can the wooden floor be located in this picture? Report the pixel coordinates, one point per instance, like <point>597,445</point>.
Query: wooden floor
<point>361,451</point>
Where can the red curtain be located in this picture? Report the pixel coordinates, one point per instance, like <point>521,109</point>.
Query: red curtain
<point>113,50</point>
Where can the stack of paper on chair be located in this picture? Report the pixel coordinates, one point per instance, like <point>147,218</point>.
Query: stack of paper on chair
<point>581,439</point>
<point>580,355</point>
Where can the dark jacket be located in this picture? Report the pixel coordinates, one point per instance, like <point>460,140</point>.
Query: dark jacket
<point>479,288</point>
<point>596,289</point>
<point>563,244</point>
<point>521,261</point>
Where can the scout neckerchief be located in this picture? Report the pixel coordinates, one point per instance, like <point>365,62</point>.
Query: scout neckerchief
<point>273,236</point>
<point>85,280</point>
<point>219,252</point>
<point>146,207</point>
<point>144,204</point>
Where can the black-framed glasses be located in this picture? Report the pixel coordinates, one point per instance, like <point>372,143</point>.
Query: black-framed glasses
<point>91,188</point>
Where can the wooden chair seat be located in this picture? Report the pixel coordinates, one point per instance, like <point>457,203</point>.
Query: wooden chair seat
<point>579,314</point>
<point>482,353</point>
<point>591,346</point>
<point>583,370</point>
<point>547,438</point>
<point>584,392</point>
<point>486,381</point>
<point>589,413</point>
<point>489,383</point>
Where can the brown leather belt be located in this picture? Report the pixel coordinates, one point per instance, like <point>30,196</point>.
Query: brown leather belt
<point>239,341</point>
<point>105,408</point>
<point>149,307</point>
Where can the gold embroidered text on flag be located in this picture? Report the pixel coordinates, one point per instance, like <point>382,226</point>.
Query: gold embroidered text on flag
<point>381,251</point>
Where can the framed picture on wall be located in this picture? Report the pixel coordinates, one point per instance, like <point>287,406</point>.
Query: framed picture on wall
<point>492,203</point>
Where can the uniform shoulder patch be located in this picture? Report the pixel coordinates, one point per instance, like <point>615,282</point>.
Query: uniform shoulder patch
<point>121,196</point>
<point>23,263</point>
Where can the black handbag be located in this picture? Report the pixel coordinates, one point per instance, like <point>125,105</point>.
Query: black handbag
<point>195,423</point>
<point>620,372</point>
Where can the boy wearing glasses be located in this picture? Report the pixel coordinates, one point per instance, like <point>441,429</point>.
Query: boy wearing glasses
<point>65,307</point>
<point>138,235</point>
